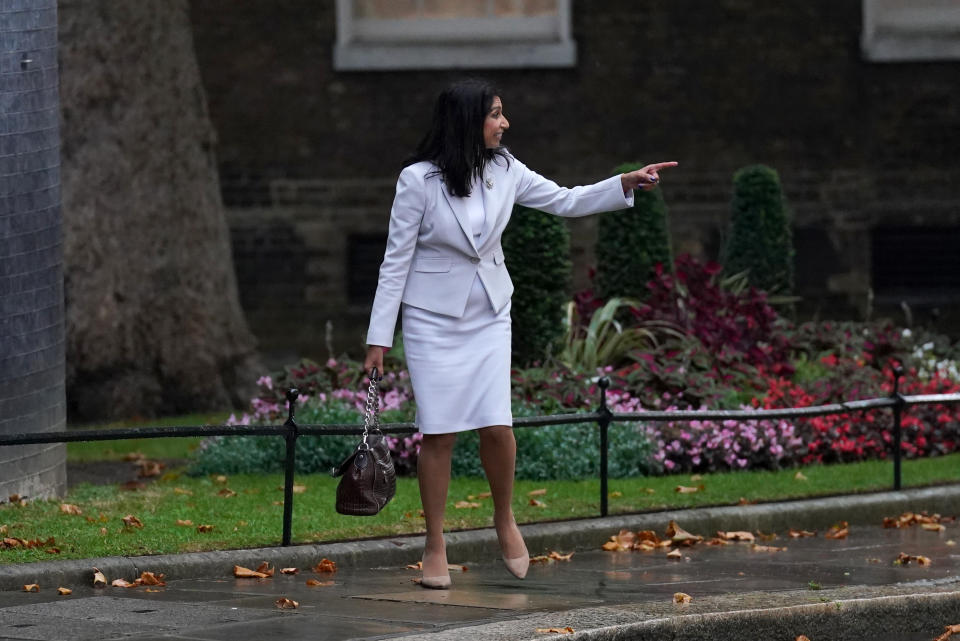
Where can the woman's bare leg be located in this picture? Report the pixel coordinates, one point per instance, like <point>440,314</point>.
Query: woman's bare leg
<point>433,474</point>
<point>498,453</point>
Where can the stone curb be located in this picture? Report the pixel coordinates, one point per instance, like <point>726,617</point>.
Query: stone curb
<point>478,545</point>
<point>904,617</point>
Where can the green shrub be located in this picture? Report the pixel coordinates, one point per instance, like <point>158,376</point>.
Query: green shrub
<point>760,241</point>
<point>631,242</point>
<point>265,454</point>
<point>537,248</point>
<point>562,451</point>
<point>604,340</point>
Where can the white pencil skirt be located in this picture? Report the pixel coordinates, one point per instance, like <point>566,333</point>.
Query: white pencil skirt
<point>459,367</point>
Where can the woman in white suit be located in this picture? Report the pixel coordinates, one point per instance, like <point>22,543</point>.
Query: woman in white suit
<point>444,270</point>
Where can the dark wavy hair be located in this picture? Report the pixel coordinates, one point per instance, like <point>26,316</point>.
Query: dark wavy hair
<point>454,142</point>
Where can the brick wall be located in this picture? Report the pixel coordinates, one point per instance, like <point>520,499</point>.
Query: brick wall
<point>715,85</point>
<point>31,279</point>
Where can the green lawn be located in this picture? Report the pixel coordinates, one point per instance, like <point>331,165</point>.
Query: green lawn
<point>167,448</point>
<point>252,517</point>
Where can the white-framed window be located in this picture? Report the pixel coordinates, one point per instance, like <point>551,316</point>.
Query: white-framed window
<point>444,34</point>
<point>911,30</point>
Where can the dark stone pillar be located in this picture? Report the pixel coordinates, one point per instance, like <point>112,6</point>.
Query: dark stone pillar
<point>31,249</point>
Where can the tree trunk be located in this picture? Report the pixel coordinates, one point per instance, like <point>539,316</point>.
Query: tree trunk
<point>153,318</point>
<point>31,261</point>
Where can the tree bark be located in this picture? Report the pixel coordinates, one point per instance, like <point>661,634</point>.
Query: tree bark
<point>154,323</point>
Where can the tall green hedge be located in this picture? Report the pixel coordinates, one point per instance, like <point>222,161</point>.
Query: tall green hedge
<point>537,249</point>
<point>760,242</point>
<point>631,242</point>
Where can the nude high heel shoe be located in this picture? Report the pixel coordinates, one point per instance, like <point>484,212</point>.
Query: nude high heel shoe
<point>518,567</point>
<point>440,582</point>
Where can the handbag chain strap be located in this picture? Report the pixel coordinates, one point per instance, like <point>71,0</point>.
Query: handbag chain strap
<point>371,417</point>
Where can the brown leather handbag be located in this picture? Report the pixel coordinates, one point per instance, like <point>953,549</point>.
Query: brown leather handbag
<point>368,479</point>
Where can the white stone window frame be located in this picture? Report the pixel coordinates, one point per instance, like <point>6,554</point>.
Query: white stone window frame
<point>377,44</point>
<point>914,31</point>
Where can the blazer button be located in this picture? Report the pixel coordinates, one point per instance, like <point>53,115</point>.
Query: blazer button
<point>474,260</point>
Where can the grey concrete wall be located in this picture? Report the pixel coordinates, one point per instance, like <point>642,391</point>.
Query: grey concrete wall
<point>31,273</point>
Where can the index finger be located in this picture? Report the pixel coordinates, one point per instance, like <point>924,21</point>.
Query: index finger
<point>660,165</point>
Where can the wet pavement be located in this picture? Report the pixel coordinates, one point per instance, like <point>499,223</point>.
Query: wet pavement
<point>593,590</point>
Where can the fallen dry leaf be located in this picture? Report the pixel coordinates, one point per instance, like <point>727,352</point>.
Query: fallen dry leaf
<point>556,556</point>
<point>69,508</point>
<point>286,604</point>
<point>64,591</point>
<point>484,495</point>
<point>681,597</point>
<point>951,543</point>
<point>737,536</point>
<point>184,522</point>
<point>132,521</point>
<point>220,478</point>
<point>696,477</point>
<point>132,486</point>
<point>149,469</point>
<point>246,573</point>
<point>799,534</point>
<point>99,580</point>
<point>466,505</point>
<point>948,631</point>
<point>226,493</point>
<point>325,565</point>
<point>289,570</point>
<point>675,554</point>
<point>52,550</point>
<point>802,637</point>
<point>152,590</point>
<point>800,476</point>
<point>539,492</point>
<point>180,490</point>
<point>299,489</point>
<point>838,531</point>
<point>767,537</point>
<point>133,456</point>
<point>265,569</point>
<point>650,490</point>
<point>454,567</point>
<point>537,503</point>
<point>542,558</point>
<point>122,583</point>
<point>314,583</point>
<point>15,498</point>
<point>203,529</point>
<point>623,540</point>
<point>33,587</point>
<point>415,566</point>
<point>683,489</point>
<point>906,559</point>
<point>933,527</point>
<point>149,578</point>
<point>566,630</point>
<point>766,548</point>
<point>744,501</point>
<point>718,541</point>
<point>680,536</point>
<point>615,494</point>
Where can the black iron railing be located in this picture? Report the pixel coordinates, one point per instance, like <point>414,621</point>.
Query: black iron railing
<point>603,417</point>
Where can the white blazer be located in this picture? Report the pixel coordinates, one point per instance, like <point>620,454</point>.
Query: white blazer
<point>431,259</point>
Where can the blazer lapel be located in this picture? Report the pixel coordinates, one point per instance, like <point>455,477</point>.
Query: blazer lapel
<point>460,212</point>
